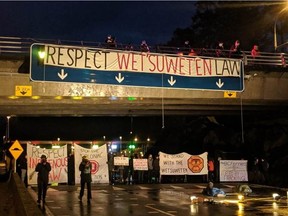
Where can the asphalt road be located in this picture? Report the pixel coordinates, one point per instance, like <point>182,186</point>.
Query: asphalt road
<point>161,199</point>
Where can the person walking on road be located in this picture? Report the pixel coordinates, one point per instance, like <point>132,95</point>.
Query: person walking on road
<point>43,168</point>
<point>85,169</point>
<point>23,167</point>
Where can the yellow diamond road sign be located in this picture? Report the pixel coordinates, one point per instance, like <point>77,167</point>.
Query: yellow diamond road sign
<point>23,90</point>
<point>16,149</point>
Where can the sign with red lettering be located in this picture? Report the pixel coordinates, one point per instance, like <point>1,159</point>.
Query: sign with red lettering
<point>140,164</point>
<point>57,159</point>
<point>98,158</point>
<point>117,67</point>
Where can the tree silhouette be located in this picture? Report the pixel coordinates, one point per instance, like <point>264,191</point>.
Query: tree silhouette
<point>250,22</point>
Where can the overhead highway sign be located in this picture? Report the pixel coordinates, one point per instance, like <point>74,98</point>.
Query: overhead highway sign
<point>59,63</point>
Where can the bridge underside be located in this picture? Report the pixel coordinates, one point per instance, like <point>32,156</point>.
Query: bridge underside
<point>264,91</point>
<point>104,106</point>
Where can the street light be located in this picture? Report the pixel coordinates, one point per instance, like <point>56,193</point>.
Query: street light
<point>120,137</point>
<point>275,28</point>
<point>8,128</point>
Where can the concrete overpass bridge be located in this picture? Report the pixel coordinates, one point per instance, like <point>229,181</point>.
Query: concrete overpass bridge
<point>266,89</point>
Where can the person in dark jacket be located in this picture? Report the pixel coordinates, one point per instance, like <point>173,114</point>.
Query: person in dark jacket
<point>85,169</point>
<point>156,169</point>
<point>43,168</point>
<point>23,167</point>
<point>235,50</point>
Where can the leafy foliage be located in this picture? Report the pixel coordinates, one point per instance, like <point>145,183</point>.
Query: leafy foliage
<point>250,22</point>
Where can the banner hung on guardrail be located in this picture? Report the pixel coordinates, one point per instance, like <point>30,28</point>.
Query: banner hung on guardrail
<point>57,159</point>
<point>60,63</point>
<point>233,170</point>
<point>183,164</point>
<point>113,60</point>
<point>98,158</point>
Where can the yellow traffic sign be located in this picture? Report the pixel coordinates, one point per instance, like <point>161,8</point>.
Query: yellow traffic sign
<point>229,94</point>
<point>23,91</point>
<point>16,149</point>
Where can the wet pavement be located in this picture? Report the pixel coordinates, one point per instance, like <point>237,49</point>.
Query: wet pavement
<point>161,199</point>
<point>6,200</point>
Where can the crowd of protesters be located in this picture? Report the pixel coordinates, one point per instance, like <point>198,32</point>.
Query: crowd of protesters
<point>234,51</point>
<point>128,175</point>
<point>257,167</point>
<point>258,171</point>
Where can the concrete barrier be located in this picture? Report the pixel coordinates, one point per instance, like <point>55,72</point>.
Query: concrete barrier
<point>23,202</point>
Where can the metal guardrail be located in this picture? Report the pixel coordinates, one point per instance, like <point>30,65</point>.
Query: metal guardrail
<point>16,46</point>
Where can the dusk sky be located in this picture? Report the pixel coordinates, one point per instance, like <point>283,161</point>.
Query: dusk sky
<point>129,22</point>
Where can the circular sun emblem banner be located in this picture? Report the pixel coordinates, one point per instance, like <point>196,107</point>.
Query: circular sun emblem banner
<point>183,164</point>
<point>195,164</point>
<point>98,159</point>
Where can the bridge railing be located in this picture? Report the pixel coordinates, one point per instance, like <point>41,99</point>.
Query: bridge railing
<point>16,46</point>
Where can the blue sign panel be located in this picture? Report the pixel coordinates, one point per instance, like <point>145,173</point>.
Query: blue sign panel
<point>113,67</point>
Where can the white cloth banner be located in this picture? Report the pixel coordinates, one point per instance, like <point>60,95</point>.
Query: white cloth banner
<point>140,164</point>
<point>116,60</point>
<point>57,159</point>
<point>98,158</point>
<point>183,164</point>
<point>233,170</point>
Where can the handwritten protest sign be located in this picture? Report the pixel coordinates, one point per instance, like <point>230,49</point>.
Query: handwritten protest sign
<point>233,170</point>
<point>183,164</point>
<point>121,161</point>
<point>98,158</point>
<point>57,159</point>
<point>140,164</point>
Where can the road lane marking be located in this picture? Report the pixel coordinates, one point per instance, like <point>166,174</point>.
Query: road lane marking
<point>55,207</point>
<point>133,198</point>
<point>176,187</point>
<point>172,212</point>
<point>118,199</point>
<point>158,210</point>
<point>144,188</point>
<point>200,186</point>
<point>118,189</point>
<point>229,186</point>
<point>52,190</point>
<point>34,197</point>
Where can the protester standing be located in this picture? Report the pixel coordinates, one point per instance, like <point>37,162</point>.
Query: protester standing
<point>156,169</point>
<point>43,168</point>
<point>210,170</point>
<point>85,169</point>
<point>150,168</point>
<point>235,50</point>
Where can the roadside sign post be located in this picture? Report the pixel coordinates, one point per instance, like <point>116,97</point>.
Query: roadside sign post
<point>70,64</point>
<point>16,150</point>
